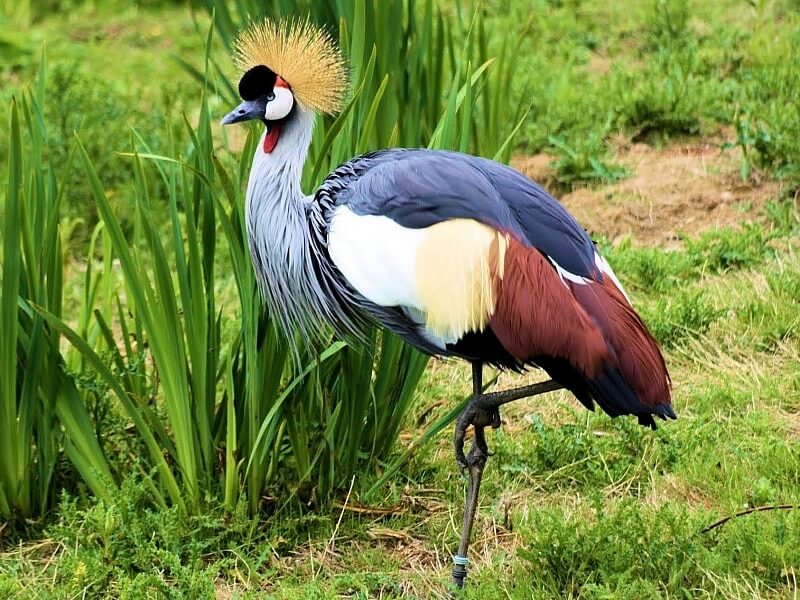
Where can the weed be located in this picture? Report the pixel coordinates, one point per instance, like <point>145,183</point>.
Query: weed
<point>584,163</point>
<point>649,269</point>
<point>125,547</point>
<point>774,317</point>
<point>669,22</point>
<point>768,119</point>
<point>725,249</point>
<point>715,251</point>
<point>666,98</point>
<point>41,406</point>
<point>103,112</point>
<point>750,140</point>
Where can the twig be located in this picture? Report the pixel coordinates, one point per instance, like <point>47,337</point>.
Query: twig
<point>332,541</point>
<point>747,512</point>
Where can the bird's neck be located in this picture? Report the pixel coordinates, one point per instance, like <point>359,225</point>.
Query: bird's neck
<point>275,175</point>
<point>278,228</point>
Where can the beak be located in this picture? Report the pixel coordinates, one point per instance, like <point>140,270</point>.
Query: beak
<point>246,111</point>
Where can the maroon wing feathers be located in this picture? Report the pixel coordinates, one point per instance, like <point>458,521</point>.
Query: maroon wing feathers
<point>536,315</point>
<point>590,324</point>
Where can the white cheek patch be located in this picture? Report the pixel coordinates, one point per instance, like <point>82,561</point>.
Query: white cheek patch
<point>280,106</point>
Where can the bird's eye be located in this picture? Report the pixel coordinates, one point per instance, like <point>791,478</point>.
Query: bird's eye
<point>270,96</point>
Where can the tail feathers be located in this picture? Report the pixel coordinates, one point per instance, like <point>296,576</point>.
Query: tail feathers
<point>608,389</point>
<point>561,371</point>
<point>616,397</point>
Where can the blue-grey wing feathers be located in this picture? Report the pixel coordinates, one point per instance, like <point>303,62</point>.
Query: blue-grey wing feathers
<point>417,188</point>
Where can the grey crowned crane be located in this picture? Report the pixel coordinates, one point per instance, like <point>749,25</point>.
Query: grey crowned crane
<point>459,255</point>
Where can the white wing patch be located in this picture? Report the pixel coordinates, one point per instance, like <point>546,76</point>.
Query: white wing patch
<point>603,265</point>
<point>567,275</point>
<point>377,256</point>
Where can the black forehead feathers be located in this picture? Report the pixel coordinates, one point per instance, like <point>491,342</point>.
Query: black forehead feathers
<point>256,82</point>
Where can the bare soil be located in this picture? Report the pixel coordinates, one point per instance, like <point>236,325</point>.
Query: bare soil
<point>672,191</point>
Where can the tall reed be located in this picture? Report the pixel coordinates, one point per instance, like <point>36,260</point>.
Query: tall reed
<point>216,408</point>
<point>41,409</point>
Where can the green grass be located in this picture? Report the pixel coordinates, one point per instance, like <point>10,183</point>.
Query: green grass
<point>574,505</point>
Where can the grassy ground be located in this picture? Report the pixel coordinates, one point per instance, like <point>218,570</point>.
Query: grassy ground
<point>670,129</point>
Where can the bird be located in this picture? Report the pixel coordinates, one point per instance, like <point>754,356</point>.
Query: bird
<point>459,255</point>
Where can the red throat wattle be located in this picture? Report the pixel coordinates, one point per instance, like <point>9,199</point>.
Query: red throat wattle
<point>274,132</point>
<point>271,139</point>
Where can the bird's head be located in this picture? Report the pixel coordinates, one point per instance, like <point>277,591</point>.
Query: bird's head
<point>286,67</point>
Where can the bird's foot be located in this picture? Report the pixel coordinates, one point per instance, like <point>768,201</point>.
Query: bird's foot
<point>479,417</point>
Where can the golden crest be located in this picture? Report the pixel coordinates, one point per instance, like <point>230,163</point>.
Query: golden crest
<point>304,55</point>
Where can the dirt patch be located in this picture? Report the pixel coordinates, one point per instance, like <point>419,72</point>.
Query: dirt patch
<point>599,64</point>
<point>672,489</point>
<point>680,189</point>
<point>536,166</point>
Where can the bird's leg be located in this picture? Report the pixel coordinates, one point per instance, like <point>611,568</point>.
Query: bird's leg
<point>476,458</point>
<point>483,410</point>
<point>473,463</point>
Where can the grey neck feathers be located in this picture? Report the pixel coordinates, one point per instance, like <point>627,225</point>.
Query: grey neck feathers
<point>293,272</point>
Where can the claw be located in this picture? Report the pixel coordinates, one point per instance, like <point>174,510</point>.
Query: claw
<point>463,464</point>
<point>478,418</point>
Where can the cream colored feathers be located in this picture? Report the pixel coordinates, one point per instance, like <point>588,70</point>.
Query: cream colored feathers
<point>304,55</point>
<point>458,265</point>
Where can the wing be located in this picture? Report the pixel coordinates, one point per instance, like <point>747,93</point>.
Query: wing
<point>469,257</point>
<point>417,188</point>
